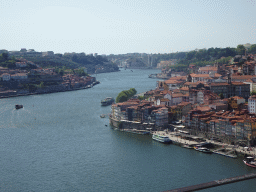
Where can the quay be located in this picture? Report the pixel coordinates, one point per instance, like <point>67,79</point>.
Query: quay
<point>215,183</point>
<point>178,140</point>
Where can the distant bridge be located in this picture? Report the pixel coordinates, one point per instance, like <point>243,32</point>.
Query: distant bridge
<point>215,183</point>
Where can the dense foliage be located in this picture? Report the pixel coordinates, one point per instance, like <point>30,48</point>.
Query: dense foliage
<point>125,95</point>
<point>91,62</point>
<point>6,61</point>
<point>203,57</point>
<point>72,62</point>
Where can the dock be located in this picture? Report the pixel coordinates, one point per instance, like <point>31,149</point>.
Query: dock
<point>228,152</point>
<point>176,138</point>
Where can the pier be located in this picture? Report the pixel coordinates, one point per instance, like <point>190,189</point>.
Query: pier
<point>215,183</point>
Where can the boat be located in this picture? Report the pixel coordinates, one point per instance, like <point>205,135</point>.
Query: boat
<point>107,101</point>
<point>203,149</point>
<point>188,146</point>
<point>250,161</point>
<point>161,138</point>
<point>18,106</point>
<point>140,132</point>
<point>102,116</point>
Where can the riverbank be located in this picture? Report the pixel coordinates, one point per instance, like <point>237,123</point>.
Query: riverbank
<point>13,93</point>
<point>178,140</point>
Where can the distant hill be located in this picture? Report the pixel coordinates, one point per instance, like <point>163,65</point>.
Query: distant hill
<point>135,63</point>
<point>69,61</point>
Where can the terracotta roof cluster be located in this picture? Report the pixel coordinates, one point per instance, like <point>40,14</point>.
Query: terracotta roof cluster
<point>241,77</point>
<point>233,117</point>
<point>173,81</point>
<point>200,75</point>
<point>208,68</point>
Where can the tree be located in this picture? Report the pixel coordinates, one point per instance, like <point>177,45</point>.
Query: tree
<point>41,84</point>
<point>5,56</point>
<point>190,55</point>
<point>80,72</point>
<point>221,96</point>
<point>125,95</point>
<point>11,65</point>
<point>252,49</point>
<point>240,49</point>
<point>141,97</point>
<point>122,97</point>
<point>253,93</point>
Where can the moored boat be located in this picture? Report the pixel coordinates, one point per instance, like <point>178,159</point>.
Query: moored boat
<point>161,138</point>
<point>18,106</point>
<point>204,150</point>
<point>188,146</point>
<point>250,161</point>
<point>140,132</point>
<point>107,101</point>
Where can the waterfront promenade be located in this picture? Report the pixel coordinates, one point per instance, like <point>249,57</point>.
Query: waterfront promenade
<point>181,141</point>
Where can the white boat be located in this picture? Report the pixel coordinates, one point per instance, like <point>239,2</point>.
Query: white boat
<point>250,161</point>
<point>203,149</point>
<point>161,138</point>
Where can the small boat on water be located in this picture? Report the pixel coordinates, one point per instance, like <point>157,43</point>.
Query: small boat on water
<point>161,138</point>
<point>18,106</point>
<point>102,116</point>
<point>107,101</point>
<point>250,161</point>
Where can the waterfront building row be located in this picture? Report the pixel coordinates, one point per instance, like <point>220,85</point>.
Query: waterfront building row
<point>140,111</point>
<point>230,126</point>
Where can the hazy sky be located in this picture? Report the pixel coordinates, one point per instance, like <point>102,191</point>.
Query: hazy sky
<point>125,26</point>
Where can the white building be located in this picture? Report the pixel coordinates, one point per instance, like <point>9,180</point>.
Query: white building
<point>162,117</point>
<point>252,104</point>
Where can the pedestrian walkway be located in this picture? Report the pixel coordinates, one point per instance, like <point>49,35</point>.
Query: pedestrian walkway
<point>178,140</point>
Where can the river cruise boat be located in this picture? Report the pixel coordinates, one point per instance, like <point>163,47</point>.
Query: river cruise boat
<point>107,101</point>
<point>250,161</point>
<point>161,138</point>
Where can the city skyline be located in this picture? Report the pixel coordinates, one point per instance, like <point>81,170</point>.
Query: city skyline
<point>119,27</point>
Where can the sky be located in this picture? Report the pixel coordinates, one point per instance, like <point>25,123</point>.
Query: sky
<point>125,26</point>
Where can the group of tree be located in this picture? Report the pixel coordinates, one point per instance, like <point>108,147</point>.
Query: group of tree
<point>80,72</point>
<point>125,95</point>
<point>72,61</point>
<point>90,62</point>
<point>203,57</point>
<point>6,61</point>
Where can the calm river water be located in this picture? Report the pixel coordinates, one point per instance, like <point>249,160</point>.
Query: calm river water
<point>58,142</point>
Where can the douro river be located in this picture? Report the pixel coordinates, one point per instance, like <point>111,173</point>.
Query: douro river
<point>58,142</point>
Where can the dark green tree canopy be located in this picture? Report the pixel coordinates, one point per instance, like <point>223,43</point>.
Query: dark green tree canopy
<point>125,95</point>
<point>240,49</point>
